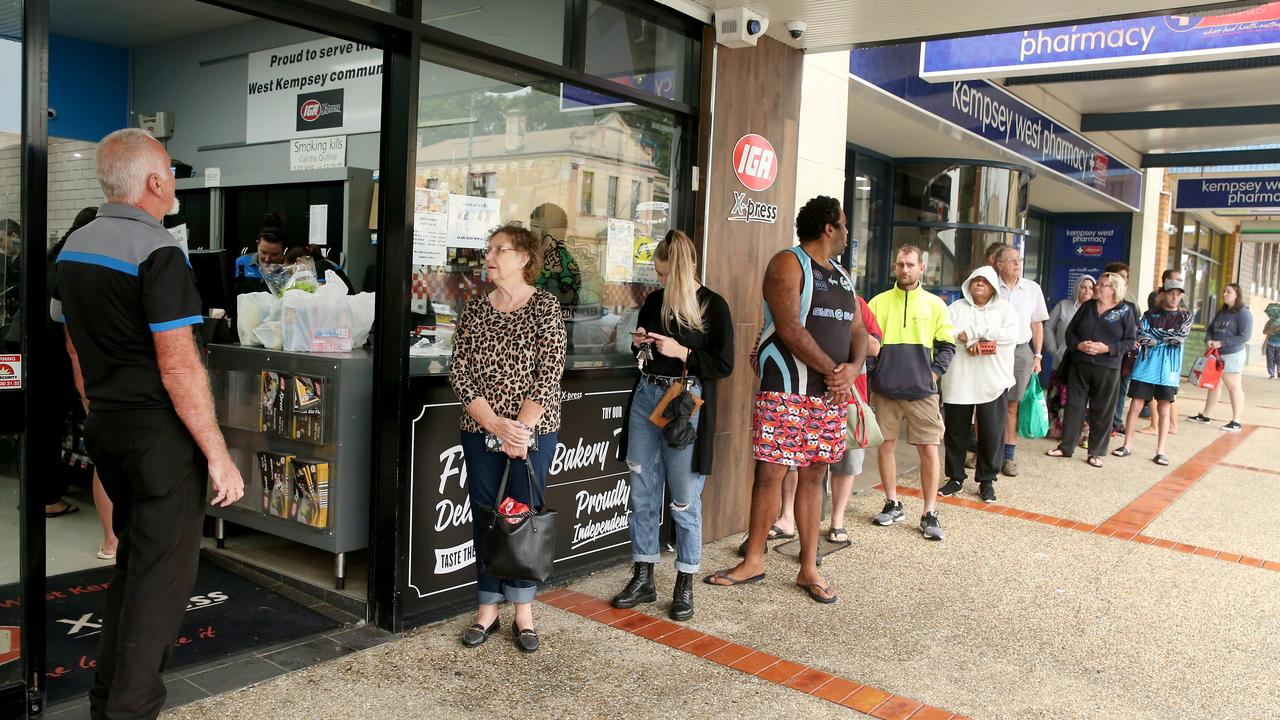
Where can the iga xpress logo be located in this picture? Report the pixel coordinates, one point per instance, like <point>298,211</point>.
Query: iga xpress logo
<point>319,110</point>
<point>755,163</point>
<point>747,210</point>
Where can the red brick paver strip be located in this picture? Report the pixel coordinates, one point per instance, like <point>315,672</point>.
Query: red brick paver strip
<point>1128,524</point>
<point>770,668</point>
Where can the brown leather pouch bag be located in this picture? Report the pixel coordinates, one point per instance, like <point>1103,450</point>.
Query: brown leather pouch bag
<point>673,392</point>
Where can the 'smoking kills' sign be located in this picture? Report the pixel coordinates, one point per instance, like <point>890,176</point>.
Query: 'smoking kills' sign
<point>755,163</point>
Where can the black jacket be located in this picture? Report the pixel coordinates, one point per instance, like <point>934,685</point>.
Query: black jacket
<point>710,359</point>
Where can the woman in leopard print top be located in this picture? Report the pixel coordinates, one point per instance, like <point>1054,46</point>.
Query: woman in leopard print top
<point>508,357</point>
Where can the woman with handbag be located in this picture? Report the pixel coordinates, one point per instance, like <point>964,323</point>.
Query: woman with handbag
<point>684,334</point>
<point>1229,332</point>
<point>1099,335</point>
<point>508,357</point>
<point>975,384</point>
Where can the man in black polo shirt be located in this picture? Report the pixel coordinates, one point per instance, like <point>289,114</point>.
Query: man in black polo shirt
<point>130,302</point>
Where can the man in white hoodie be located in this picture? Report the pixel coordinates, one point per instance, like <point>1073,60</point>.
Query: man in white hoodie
<point>987,329</point>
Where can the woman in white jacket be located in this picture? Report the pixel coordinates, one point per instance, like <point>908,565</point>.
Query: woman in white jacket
<point>974,386</point>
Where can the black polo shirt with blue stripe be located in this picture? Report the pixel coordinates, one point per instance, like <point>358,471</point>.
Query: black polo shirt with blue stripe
<point>122,278</point>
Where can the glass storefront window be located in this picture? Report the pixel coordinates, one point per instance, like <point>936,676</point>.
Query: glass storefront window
<point>960,194</point>
<point>530,27</point>
<point>950,253</point>
<point>594,180</point>
<point>631,50</point>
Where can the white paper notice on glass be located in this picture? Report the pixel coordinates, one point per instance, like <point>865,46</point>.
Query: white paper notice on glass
<point>621,250</point>
<point>212,177</point>
<point>471,219</point>
<point>430,238</point>
<point>318,234</point>
<point>180,234</point>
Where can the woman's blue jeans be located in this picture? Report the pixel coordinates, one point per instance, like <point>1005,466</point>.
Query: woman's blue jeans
<point>484,474</point>
<point>653,463</point>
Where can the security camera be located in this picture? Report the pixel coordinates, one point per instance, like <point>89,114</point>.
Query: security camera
<point>796,29</point>
<point>739,27</point>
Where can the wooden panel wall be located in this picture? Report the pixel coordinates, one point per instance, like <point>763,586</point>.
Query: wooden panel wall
<point>757,91</point>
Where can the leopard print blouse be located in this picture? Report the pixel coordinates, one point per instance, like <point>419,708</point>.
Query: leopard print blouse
<point>507,358</point>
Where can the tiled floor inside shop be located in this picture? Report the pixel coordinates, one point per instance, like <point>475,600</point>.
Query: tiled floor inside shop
<point>1133,591</point>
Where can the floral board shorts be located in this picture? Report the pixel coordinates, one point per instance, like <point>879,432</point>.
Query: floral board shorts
<point>797,430</point>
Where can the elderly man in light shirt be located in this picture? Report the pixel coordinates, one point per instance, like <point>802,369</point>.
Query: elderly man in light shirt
<point>1028,299</point>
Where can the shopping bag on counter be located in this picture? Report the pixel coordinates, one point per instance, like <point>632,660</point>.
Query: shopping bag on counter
<point>252,310</point>
<point>1208,370</point>
<point>317,322</point>
<point>1033,411</point>
<point>363,306</point>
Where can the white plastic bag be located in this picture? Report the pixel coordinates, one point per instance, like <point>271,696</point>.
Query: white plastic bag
<point>319,322</point>
<point>252,310</point>
<point>363,307</point>
<point>268,335</point>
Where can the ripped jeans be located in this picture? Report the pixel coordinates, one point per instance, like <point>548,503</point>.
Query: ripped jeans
<point>654,464</point>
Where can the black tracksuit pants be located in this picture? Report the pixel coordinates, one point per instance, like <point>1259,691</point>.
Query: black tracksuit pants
<point>991,420</point>
<point>156,477</point>
<point>1094,386</point>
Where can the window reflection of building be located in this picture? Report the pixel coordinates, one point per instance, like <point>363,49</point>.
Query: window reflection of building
<point>954,210</point>
<point>543,157</point>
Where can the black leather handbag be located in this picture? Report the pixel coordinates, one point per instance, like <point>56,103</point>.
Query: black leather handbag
<point>526,549</point>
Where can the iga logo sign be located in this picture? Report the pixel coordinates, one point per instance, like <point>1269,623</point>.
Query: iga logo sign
<point>319,110</point>
<point>755,163</point>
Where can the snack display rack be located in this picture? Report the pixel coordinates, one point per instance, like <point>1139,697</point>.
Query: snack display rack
<point>297,426</point>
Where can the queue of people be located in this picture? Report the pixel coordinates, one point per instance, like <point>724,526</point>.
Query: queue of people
<point>940,374</point>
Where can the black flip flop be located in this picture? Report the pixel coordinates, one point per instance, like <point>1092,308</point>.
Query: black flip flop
<point>724,575</point>
<point>838,531</point>
<point>1122,452</point>
<point>65,511</point>
<point>775,533</point>
<point>1094,461</point>
<point>1160,460</point>
<point>812,590</point>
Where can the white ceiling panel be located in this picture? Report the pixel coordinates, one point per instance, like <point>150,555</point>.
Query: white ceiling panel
<point>1191,139</point>
<point>841,24</point>
<point>1255,86</point>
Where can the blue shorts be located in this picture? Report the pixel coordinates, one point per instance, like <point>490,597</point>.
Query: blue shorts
<point>1234,362</point>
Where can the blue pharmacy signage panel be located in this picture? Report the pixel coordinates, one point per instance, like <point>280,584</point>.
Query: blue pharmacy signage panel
<point>991,112</point>
<point>1084,248</point>
<point>1222,193</point>
<point>1145,41</point>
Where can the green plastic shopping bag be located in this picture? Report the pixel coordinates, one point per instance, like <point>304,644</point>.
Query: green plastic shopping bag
<point>1033,412</point>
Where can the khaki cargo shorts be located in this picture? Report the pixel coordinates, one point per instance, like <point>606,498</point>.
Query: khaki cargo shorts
<point>923,417</point>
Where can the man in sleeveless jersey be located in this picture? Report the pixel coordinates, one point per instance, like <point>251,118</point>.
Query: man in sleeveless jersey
<point>812,349</point>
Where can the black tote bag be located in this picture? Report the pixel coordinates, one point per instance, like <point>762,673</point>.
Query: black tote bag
<point>524,550</point>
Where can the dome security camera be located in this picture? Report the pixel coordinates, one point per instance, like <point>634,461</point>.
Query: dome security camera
<point>796,29</point>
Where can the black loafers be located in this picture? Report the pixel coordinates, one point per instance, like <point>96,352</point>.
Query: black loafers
<point>526,640</point>
<point>475,635</point>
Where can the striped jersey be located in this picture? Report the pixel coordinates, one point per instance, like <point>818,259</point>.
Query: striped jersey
<point>827,305</point>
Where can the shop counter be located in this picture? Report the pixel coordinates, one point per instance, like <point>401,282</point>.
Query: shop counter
<point>297,426</point>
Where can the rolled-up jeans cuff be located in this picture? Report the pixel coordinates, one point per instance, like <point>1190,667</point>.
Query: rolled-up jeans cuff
<point>520,595</point>
<point>687,568</point>
<point>636,557</point>
<point>490,598</point>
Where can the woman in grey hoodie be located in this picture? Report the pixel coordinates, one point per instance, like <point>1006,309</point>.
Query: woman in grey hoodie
<point>1228,333</point>
<point>1055,330</point>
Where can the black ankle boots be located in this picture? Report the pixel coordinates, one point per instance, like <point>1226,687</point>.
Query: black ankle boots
<point>639,590</point>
